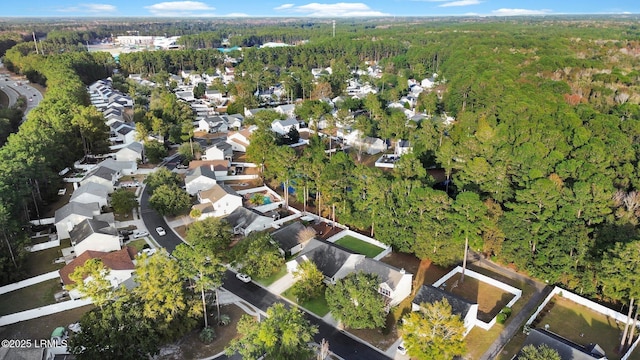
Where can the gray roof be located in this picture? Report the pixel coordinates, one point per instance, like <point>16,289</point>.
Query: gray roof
<point>567,349</point>
<point>204,170</point>
<point>91,188</point>
<point>116,165</point>
<point>430,294</point>
<point>134,146</point>
<point>288,122</point>
<point>114,111</point>
<point>109,218</point>
<point>89,227</point>
<point>222,145</point>
<point>328,259</point>
<point>124,130</point>
<point>386,273</point>
<point>102,172</point>
<point>86,210</point>
<point>242,217</point>
<point>116,124</point>
<point>287,236</point>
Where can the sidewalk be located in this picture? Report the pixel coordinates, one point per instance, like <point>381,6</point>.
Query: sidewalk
<point>281,285</point>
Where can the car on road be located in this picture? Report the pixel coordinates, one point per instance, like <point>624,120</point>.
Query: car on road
<point>160,231</point>
<point>401,349</point>
<point>243,277</point>
<point>139,234</point>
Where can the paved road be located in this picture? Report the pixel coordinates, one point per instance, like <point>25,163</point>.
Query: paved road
<point>339,343</point>
<point>9,85</point>
<point>152,220</point>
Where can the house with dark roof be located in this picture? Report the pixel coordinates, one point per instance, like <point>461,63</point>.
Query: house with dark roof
<point>72,214</point>
<point>97,235</point>
<point>567,349</point>
<point>200,178</point>
<point>119,263</point>
<point>213,124</point>
<point>103,176</point>
<point>283,127</point>
<point>289,238</point>
<point>122,167</point>
<point>244,221</point>
<point>218,201</point>
<point>218,151</point>
<point>336,262</point>
<point>89,193</point>
<point>468,311</point>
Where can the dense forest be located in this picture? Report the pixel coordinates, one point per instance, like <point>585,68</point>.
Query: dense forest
<point>542,159</point>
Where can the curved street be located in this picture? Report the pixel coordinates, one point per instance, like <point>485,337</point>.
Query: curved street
<point>15,87</point>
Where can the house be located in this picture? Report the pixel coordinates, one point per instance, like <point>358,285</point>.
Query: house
<point>218,151</point>
<point>253,112</point>
<point>215,96</point>
<point>567,349</point>
<point>91,234</point>
<point>218,201</point>
<point>245,221</point>
<point>72,214</point>
<point>103,176</point>
<point>291,239</point>
<point>283,127</point>
<point>131,152</point>
<point>287,110</point>
<point>239,140</point>
<point>336,262</point>
<point>403,147</point>
<point>185,95</point>
<point>122,167</point>
<point>468,311</point>
<point>200,178</point>
<point>368,144</point>
<point>126,134</point>
<point>213,124</point>
<point>234,121</point>
<point>89,193</point>
<point>119,263</point>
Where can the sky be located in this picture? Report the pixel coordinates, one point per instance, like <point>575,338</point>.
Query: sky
<point>310,8</point>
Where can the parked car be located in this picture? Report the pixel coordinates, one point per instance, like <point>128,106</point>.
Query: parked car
<point>160,231</point>
<point>139,234</point>
<point>243,277</point>
<point>401,349</point>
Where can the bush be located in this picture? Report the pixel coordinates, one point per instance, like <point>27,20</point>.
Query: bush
<point>501,318</point>
<point>506,311</point>
<point>207,335</point>
<point>224,320</point>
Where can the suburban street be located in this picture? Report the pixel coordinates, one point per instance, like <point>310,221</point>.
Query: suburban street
<point>339,343</point>
<point>152,220</point>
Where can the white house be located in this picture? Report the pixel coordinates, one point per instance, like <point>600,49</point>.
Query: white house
<point>368,144</point>
<point>122,167</point>
<point>103,176</point>
<point>218,151</point>
<point>282,127</point>
<point>468,311</point>
<point>287,110</point>
<point>215,124</point>
<point>235,121</point>
<point>336,263</point>
<point>73,213</point>
<point>403,147</point>
<point>218,201</point>
<point>200,178</point>
<point>91,193</point>
<point>215,96</point>
<point>119,264</point>
<point>131,152</point>
<point>240,140</point>
<point>290,238</point>
<point>95,235</point>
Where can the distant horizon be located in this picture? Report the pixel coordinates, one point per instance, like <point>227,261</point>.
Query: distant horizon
<point>70,9</point>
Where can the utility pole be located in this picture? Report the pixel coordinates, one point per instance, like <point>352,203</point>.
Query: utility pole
<point>334,28</point>
<point>35,41</point>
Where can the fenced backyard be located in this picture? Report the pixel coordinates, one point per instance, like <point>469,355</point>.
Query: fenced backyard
<point>490,299</point>
<point>359,246</point>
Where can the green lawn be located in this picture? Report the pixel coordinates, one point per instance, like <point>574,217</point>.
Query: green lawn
<point>137,244</point>
<point>359,246</point>
<point>271,279</point>
<point>29,297</point>
<point>316,305</point>
<point>41,262</point>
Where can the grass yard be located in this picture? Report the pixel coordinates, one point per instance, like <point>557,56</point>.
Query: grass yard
<point>29,297</point>
<point>41,328</point>
<point>41,262</point>
<point>137,244</point>
<point>490,299</point>
<point>359,246</point>
<point>273,278</point>
<point>581,325</point>
<point>316,305</point>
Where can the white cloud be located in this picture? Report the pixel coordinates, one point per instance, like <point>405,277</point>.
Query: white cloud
<point>89,8</point>
<point>341,9</point>
<point>519,12</point>
<point>460,3</point>
<point>180,8</point>
<point>283,7</point>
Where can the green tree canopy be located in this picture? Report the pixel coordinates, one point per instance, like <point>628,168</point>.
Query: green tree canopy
<point>257,255</point>
<point>170,200</point>
<point>355,301</point>
<point>542,352</point>
<point>123,201</point>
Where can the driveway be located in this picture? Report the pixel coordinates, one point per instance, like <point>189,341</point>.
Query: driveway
<point>339,342</point>
<point>152,220</point>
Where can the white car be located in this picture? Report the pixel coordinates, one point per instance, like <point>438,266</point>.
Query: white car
<point>243,277</point>
<point>160,231</point>
<point>401,349</point>
<point>139,234</point>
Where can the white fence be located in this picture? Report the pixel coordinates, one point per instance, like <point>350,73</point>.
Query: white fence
<point>485,279</point>
<point>237,177</point>
<point>589,304</point>
<point>42,311</point>
<point>28,282</point>
<point>44,245</point>
<point>46,221</point>
<point>244,164</point>
<point>386,248</point>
